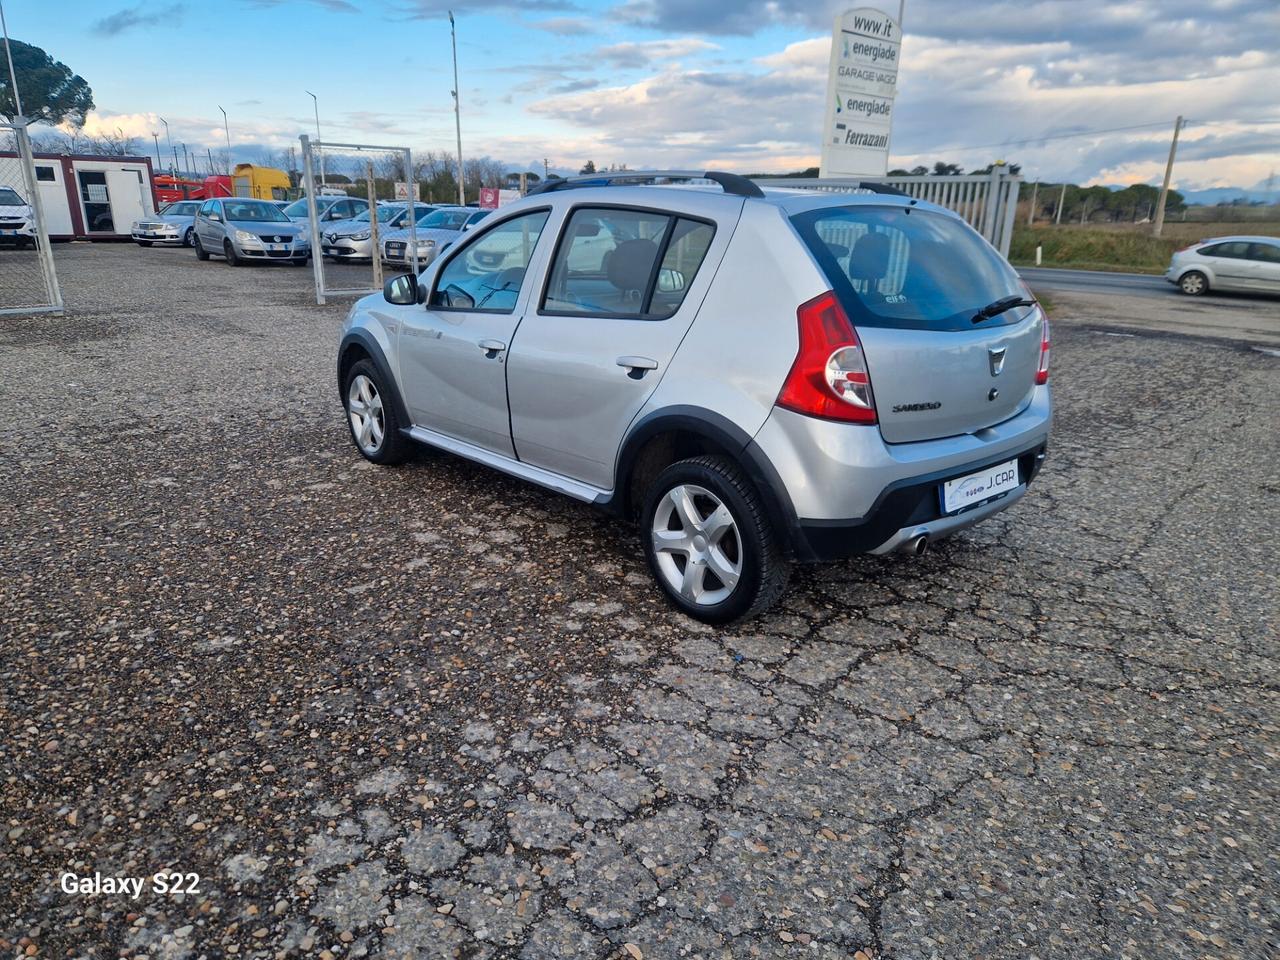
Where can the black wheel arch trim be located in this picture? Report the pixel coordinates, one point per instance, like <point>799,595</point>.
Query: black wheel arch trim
<point>366,342</point>
<point>724,433</point>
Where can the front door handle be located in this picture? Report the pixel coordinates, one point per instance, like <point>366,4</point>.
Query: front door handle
<point>637,367</point>
<point>492,348</point>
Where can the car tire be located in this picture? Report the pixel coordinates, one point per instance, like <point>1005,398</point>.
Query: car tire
<point>1193,283</point>
<point>144,243</point>
<point>229,251</point>
<point>188,237</point>
<point>299,261</point>
<point>367,397</point>
<point>678,528</point>
<point>201,252</point>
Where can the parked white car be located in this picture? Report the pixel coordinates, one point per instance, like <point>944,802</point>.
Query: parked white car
<point>17,219</point>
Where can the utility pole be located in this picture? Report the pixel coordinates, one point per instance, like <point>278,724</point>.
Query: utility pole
<point>13,77</point>
<point>1062,198</point>
<point>186,164</point>
<point>457,109</point>
<point>212,171</point>
<point>1031,214</point>
<point>316,104</point>
<point>546,170</point>
<point>1168,175</point>
<point>226,127</point>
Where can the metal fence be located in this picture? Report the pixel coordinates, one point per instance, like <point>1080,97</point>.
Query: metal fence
<point>369,172</point>
<point>28,280</point>
<point>987,201</point>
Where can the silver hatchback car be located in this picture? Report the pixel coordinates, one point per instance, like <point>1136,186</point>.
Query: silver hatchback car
<point>755,378</point>
<point>1241,264</point>
<point>240,230</point>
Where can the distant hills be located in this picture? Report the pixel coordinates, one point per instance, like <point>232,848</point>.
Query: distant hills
<point>1216,195</point>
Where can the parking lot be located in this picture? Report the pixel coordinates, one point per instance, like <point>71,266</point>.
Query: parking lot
<point>436,712</point>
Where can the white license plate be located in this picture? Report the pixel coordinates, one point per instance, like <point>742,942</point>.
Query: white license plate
<point>277,246</point>
<point>978,487</point>
<point>8,233</point>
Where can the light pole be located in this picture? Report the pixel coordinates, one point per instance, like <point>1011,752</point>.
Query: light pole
<point>316,103</point>
<point>226,127</point>
<point>169,140</point>
<point>156,137</point>
<point>457,109</point>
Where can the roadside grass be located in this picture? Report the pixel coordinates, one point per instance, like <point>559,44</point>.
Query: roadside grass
<point>1120,247</point>
<point>1081,248</point>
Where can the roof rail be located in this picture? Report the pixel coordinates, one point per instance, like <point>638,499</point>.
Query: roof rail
<point>830,183</point>
<point>732,183</point>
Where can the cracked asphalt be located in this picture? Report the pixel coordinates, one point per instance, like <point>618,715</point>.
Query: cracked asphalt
<point>434,712</point>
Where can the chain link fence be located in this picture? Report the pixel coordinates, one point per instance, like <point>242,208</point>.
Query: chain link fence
<point>347,244</point>
<point>28,281</point>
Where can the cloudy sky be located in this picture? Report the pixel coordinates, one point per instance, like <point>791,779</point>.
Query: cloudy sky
<point>685,83</point>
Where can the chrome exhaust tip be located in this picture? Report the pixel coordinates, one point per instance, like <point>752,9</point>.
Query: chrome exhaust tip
<point>916,546</point>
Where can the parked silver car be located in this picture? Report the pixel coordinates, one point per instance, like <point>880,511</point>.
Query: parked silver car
<point>353,239</point>
<point>1227,263</point>
<point>756,378</point>
<point>175,223</point>
<point>435,231</point>
<point>329,208</point>
<point>241,229</point>
<point>17,220</point>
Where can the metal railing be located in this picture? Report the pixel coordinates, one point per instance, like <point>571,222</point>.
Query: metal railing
<point>988,202</point>
<point>28,278</point>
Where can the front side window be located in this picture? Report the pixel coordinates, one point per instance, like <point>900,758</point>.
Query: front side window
<point>486,274</point>
<point>209,209</point>
<point>625,263</point>
<point>1266,252</point>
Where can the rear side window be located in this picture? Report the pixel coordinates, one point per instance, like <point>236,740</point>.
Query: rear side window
<point>906,267</point>
<point>625,263</point>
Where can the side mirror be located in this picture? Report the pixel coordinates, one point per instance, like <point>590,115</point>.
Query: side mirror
<point>401,290</point>
<point>670,281</point>
<point>215,218</point>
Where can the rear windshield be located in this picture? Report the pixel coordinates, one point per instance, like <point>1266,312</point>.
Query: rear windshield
<point>909,268</point>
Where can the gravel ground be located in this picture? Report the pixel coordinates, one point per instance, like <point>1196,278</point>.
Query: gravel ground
<point>435,712</point>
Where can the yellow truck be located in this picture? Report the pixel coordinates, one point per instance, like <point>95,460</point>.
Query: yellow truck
<point>261,183</point>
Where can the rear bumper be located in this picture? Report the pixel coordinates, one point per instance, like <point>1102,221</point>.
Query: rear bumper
<point>844,491</point>
<point>909,511</point>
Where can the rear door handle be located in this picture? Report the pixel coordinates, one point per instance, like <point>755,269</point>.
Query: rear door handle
<point>637,367</point>
<point>492,348</point>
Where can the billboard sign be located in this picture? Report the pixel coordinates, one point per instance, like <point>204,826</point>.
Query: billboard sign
<point>861,85</point>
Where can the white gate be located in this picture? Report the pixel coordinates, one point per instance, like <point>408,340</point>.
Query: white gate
<point>28,280</point>
<point>365,171</point>
<point>987,201</point>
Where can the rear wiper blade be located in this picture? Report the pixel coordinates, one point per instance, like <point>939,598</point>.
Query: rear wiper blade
<point>1000,306</point>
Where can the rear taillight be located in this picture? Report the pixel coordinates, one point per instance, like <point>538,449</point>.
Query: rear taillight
<point>829,378</point>
<point>1042,372</point>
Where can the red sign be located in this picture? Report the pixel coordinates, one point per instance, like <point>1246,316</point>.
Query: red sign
<point>488,198</point>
